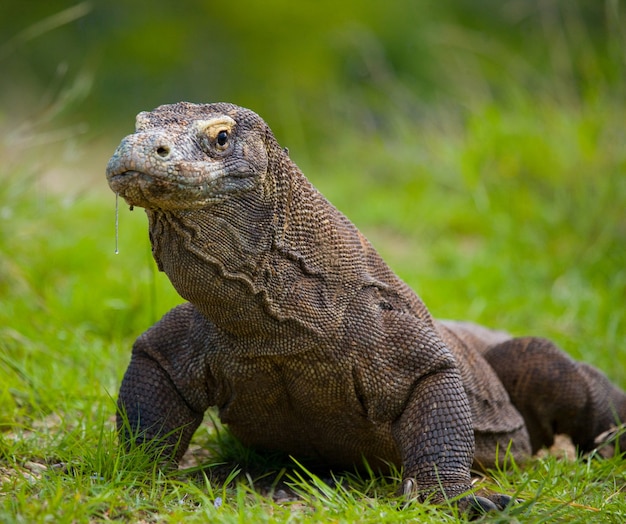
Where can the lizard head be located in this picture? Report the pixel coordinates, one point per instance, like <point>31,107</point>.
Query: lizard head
<point>188,156</point>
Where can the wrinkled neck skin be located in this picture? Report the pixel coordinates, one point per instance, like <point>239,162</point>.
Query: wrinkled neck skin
<point>278,257</point>
<point>213,256</point>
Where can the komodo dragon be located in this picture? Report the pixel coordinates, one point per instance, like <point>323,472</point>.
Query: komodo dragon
<point>302,336</point>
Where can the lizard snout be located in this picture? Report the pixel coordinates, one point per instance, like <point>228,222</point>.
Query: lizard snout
<point>137,165</point>
<point>148,153</point>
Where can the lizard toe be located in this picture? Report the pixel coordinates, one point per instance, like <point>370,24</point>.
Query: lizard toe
<point>502,501</point>
<point>475,506</point>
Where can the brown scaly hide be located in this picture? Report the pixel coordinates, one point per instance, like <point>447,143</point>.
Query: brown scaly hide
<point>303,337</point>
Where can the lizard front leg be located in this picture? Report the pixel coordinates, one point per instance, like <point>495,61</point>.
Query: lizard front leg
<point>163,395</point>
<point>412,381</point>
<point>435,437</point>
<point>436,441</point>
<point>417,382</point>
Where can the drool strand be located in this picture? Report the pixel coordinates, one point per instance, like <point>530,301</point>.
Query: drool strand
<point>117,223</point>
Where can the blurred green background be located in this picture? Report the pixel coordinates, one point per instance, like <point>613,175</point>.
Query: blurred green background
<point>311,63</point>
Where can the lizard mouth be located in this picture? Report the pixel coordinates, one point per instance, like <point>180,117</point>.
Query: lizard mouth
<point>196,182</point>
<point>194,190</point>
<point>181,176</point>
<point>133,186</point>
<point>119,181</point>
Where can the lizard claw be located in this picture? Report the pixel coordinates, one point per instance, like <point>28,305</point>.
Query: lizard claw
<point>475,506</point>
<point>480,505</point>
<point>612,441</point>
<point>408,488</point>
<point>502,501</point>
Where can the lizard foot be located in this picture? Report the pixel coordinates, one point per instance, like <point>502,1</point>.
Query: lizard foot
<point>472,505</point>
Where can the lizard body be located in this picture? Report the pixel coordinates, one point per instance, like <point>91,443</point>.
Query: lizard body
<point>302,336</point>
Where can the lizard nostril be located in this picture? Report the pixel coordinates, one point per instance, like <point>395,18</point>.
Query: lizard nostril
<point>163,151</point>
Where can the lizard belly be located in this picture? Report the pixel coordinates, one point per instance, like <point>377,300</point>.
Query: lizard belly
<point>306,410</point>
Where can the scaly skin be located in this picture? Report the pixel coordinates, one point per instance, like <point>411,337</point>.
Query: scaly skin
<point>303,337</point>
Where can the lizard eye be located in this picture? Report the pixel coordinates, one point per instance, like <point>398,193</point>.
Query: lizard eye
<point>222,138</point>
